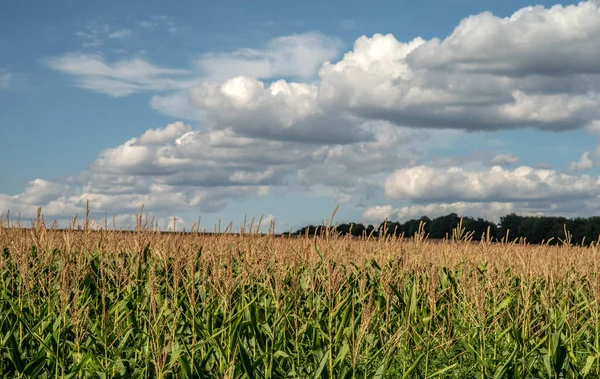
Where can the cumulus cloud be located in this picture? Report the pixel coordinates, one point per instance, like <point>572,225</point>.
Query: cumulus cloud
<point>280,111</point>
<point>431,184</point>
<point>584,163</point>
<point>178,168</point>
<point>38,193</point>
<point>172,223</point>
<point>378,213</point>
<point>490,73</point>
<point>472,87</point>
<point>523,44</point>
<point>504,160</point>
<point>298,55</point>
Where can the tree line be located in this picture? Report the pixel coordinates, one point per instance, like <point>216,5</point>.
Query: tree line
<point>533,229</point>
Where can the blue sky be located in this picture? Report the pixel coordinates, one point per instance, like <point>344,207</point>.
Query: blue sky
<point>287,109</point>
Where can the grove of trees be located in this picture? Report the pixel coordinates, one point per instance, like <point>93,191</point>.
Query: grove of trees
<point>534,229</point>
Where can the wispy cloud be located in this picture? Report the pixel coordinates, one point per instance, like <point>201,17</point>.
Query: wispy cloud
<point>298,55</point>
<point>120,78</point>
<point>5,78</point>
<point>120,34</point>
<point>348,24</point>
<point>93,33</point>
<point>160,21</point>
<point>98,31</point>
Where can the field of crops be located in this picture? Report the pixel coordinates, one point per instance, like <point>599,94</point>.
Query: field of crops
<point>101,304</point>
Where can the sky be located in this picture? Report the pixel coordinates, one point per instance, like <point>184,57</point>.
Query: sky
<point>215,111</point>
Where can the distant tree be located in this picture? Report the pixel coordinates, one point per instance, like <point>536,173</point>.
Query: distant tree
<point>343,229</point>
<point>534,229</point>
<point>443,225</point>
<point>510,224</point>
<point>357,230</point>
<point>479,227</point>
<point>370,230</point>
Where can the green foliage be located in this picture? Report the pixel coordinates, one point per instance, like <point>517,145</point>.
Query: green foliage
<point>150,314</point>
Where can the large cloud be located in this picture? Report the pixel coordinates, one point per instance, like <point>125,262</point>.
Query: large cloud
<point>431,184</point>
<point>281,111</point>
<point>533,41</point>
<point>536,68</point>
<point>180,169</point>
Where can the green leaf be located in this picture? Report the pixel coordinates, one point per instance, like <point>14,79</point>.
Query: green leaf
<point>503,304</point>
<point>321,366</point>
<point>279,354</point>
<point>246,363</point>
<point>440,372</point>
<point>318,250</point>
<point>413,367</point>
<point>501,371</point>
<point>589,362</point>
<point>380,370</point>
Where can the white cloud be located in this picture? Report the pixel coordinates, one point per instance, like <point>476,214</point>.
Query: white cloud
<point>121,78</point>
<point>267,220</point>
<point>487,75</point>
<point>491,73</point>
<point>430,184</point>
<point>526,43</point>
<point>40,191</point>
<point>180,169</point>
<point>167,23</point>
<point>95,33</point>
<point>378,213</point>
<point>177,105</point>
<point>172,224</point>
<point>584,163</point>
<point>164,135</point>
<point>279,111</point>
<point>504,160</point>
<point>298,55</point>
<point>5,78</point>
<point>120,34</point>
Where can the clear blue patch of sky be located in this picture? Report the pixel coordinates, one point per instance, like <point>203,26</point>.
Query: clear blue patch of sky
<point>532,147</point>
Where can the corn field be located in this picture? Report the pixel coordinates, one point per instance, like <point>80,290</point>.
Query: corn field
<point>96,303</point>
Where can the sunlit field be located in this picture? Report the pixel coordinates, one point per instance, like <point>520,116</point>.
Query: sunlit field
<point>95,303</point>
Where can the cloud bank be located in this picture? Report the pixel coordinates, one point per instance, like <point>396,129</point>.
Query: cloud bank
<point>295,114</point>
